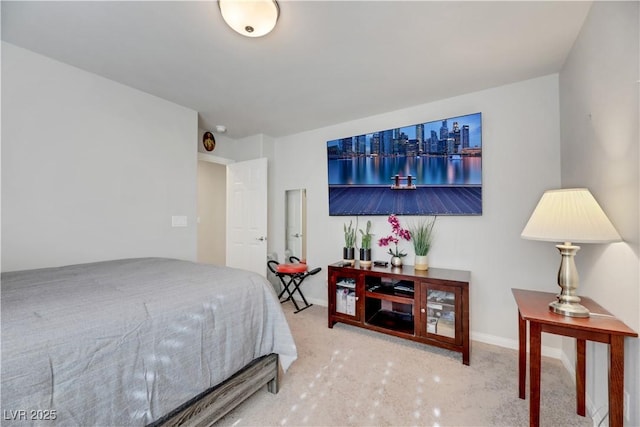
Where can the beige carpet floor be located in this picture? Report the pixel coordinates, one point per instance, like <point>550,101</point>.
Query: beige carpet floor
<point>347,376</point>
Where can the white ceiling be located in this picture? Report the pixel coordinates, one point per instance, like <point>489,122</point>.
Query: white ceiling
<point>326,62</point>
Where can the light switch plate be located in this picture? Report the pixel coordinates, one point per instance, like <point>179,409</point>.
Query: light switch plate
<point>178,221</point>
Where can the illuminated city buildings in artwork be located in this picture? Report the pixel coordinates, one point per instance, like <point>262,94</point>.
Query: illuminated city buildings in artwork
<point>410,141</point>
<point>441,160</point>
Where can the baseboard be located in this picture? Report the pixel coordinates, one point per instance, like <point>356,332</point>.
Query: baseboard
<point>491,339</point>
<point>598,415</point>
<point>320,302</point>
<point>554,353</point>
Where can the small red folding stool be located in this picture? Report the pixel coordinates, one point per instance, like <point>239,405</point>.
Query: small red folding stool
<point>292,275</point>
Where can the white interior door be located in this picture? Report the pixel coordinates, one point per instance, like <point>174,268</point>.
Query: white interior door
<point>247,215</point>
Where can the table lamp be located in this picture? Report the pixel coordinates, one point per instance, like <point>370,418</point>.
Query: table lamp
<point>569,215</point>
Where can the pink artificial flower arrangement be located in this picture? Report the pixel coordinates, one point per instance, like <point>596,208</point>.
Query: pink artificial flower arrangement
<point>397,234</point>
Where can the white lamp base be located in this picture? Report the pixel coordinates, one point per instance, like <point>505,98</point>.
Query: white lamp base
<point>568,303</point>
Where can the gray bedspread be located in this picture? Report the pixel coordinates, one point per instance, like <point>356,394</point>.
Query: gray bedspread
<point>122,343</point>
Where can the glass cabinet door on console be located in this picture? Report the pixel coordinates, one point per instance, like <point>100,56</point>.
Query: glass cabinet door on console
<point>346,297</point>
<point>440,308</point>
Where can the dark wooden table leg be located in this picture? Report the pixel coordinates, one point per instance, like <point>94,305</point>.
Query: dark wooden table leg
<point>581,377</point>
<point>535,344</point>
<point>522,356</point>
<point>466,344</point>
<point>616,380</point>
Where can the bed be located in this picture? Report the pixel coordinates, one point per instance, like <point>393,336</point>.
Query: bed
<point>136,342</point>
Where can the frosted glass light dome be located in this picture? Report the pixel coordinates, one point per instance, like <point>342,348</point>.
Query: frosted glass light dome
<point>251,18</point>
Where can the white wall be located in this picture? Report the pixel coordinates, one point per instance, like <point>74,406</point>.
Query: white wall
<point>600,137</point>
<point>521,159</point>
<point>248,148</point>
<point>91,169</point>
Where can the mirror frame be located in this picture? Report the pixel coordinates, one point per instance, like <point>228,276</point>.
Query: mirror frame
<point>301,201</point>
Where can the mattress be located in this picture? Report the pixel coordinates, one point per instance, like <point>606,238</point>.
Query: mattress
<point>122,343</point>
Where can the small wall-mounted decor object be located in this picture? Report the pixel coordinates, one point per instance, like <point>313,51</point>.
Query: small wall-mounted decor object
<point>208,141</point>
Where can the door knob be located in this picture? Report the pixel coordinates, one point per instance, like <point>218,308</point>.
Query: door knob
<point>262,238</point>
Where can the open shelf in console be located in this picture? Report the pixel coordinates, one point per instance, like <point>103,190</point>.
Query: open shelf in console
<point>395,315</point>
<point>400,322</point>
<point>378,287</point>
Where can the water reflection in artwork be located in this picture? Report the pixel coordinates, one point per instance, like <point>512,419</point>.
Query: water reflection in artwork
<point>425,170</point>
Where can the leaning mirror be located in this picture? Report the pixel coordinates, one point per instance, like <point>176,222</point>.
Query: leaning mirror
<point>296,223</point>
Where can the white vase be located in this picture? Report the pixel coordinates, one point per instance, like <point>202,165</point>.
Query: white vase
<point>421,263</point>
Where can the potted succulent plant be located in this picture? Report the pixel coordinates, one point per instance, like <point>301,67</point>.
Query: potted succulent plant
<point>349,250</point>
<point>421,237</point>
<point>365,247</point>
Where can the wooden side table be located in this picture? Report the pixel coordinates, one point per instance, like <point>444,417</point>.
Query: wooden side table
<point>602,326</point>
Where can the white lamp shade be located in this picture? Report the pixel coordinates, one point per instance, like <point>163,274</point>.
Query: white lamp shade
<point>251,18</point>
<point>570,215</point>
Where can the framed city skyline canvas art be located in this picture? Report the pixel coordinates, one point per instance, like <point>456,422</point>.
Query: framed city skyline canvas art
<point>430,168</point>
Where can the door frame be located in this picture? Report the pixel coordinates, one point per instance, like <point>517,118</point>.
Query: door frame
<point>204,157</point>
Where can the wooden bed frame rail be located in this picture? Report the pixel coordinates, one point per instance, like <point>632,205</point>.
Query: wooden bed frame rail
<point>213,404</point>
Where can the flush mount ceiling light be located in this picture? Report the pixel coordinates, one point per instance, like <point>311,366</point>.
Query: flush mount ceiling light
<point>251,18</point>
